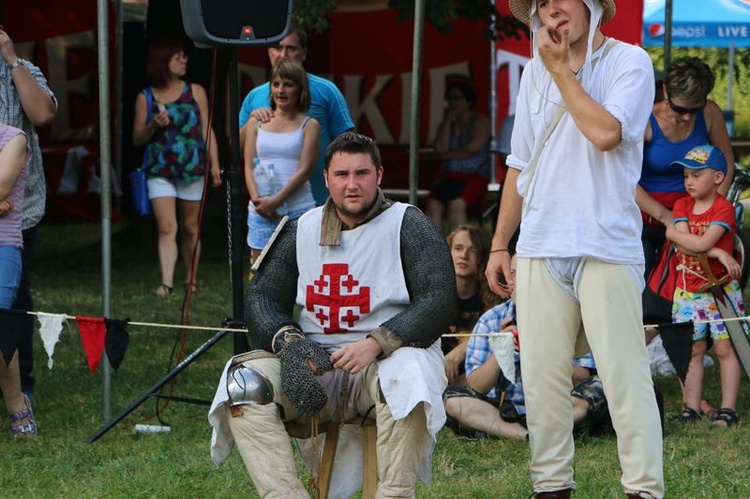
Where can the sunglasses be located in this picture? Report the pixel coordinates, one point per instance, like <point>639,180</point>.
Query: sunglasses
<point>684,110</point>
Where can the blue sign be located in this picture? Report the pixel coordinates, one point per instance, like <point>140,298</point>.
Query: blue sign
<point>698,23</point>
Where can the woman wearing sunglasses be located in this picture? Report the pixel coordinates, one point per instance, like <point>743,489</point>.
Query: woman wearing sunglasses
<point>683,118</point>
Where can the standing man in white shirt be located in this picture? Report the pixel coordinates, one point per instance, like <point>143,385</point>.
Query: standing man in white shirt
<point>571,186</point>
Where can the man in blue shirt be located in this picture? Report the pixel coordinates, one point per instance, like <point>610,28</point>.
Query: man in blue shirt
<point>328,105</point>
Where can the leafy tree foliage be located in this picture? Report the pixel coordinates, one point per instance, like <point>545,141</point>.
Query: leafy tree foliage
<point>440,13</point>
<point>718,60</point>
<point>311,14</point>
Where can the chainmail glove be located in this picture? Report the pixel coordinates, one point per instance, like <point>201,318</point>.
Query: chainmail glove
<point>298,381</point>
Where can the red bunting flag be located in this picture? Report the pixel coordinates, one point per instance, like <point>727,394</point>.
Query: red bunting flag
<point>92,336</point>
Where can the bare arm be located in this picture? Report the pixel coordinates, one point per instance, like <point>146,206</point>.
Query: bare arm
<point>454,360</point>
<point>508,219</point>
<point>243,132</point>
<point>484,378</point>
<point>250,152</point>
<point>693,242</point>
<point>443,136</point>
<point>36,102</point>
<point>142,131</point>
<point>727,260</point>
<point>12,160</point>
<point>718,137</point>
<point>479,137</point>
<point>652,207</point>
<point>592,119</point>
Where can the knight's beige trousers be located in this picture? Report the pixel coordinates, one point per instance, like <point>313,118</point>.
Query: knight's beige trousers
<point>264,444</point>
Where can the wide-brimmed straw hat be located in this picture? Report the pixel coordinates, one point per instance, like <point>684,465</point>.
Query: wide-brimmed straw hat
<point>522,8</point>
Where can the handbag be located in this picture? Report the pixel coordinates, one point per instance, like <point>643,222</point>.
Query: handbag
<point>660,287</point>
<point>138,178</point>
<point>139,191</point>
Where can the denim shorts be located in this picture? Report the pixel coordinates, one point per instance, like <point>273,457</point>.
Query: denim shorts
<point>260,228</point>
<point>10,274</point>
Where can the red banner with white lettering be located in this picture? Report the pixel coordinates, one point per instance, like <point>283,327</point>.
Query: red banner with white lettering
<point>367,52</point>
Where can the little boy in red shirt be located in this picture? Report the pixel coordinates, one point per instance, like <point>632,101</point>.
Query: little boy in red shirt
<point>704,222</point>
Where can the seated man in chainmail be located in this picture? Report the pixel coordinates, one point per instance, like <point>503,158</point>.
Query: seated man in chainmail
<point>373,281</point>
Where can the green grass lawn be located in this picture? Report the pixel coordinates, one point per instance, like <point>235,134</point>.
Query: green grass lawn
<point>699,461</point>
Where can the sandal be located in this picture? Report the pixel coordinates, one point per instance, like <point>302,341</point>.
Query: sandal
<point>688,416</point>
<point>725,418</point>
<point>23,424</point>
<point>191,287</point>
<point>164,290</point>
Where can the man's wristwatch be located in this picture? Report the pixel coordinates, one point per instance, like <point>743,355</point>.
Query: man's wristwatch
<point>15,64</point>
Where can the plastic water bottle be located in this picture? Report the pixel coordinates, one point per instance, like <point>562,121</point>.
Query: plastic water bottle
<point>261,179</point>
<point>274,186</point>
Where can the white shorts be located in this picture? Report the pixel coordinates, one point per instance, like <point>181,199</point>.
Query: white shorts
<point>160,187</point>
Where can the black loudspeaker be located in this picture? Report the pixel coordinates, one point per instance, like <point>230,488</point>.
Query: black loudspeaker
<point>236,22</point>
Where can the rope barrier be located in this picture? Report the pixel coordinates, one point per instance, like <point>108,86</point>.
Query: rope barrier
<point>655,326</point>
<point>447,335</point>
<point>154,324</point>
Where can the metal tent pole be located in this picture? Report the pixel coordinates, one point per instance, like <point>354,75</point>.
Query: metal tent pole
<point>416,100</point>
<point>493,94</point>
<point>667,34</point>
<point>105,162</point>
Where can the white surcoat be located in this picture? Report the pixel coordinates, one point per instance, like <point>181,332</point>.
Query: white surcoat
<point>345,292</point>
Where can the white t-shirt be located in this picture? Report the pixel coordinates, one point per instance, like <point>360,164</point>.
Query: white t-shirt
<point>581,201</point>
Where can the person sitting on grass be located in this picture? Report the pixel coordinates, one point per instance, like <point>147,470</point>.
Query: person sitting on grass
<point>492,403</point>
<point>704,223</point>
<point>470,249</point>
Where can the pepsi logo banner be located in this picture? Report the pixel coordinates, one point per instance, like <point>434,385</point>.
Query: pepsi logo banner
<point>699,23</point>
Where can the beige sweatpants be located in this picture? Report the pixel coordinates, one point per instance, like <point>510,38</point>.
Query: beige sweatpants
<point>548,323</point>
<point>264,444</point>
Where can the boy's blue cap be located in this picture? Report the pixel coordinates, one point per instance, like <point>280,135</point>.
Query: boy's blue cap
<point>701,157</point>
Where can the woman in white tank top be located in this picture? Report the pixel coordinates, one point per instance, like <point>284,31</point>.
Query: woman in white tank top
<point>289,142</point>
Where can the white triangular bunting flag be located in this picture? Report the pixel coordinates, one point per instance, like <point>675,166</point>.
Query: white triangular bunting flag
<point>50,327</point>
<point>502,346</point>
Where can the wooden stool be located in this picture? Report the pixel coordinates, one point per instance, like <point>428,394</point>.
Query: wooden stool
<point>369,454</point>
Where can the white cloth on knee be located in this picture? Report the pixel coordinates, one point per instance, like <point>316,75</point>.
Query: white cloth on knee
<point>222,441</point>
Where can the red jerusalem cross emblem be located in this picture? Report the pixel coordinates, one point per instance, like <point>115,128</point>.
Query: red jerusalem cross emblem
<point>336,297</point>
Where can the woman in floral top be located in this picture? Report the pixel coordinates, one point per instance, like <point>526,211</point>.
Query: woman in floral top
<point>171,120</point>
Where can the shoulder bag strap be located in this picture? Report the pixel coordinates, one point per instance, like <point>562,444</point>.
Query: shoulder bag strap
<point>538,152</point>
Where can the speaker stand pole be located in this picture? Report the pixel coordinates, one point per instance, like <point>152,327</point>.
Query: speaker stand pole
<point>235,179</point>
